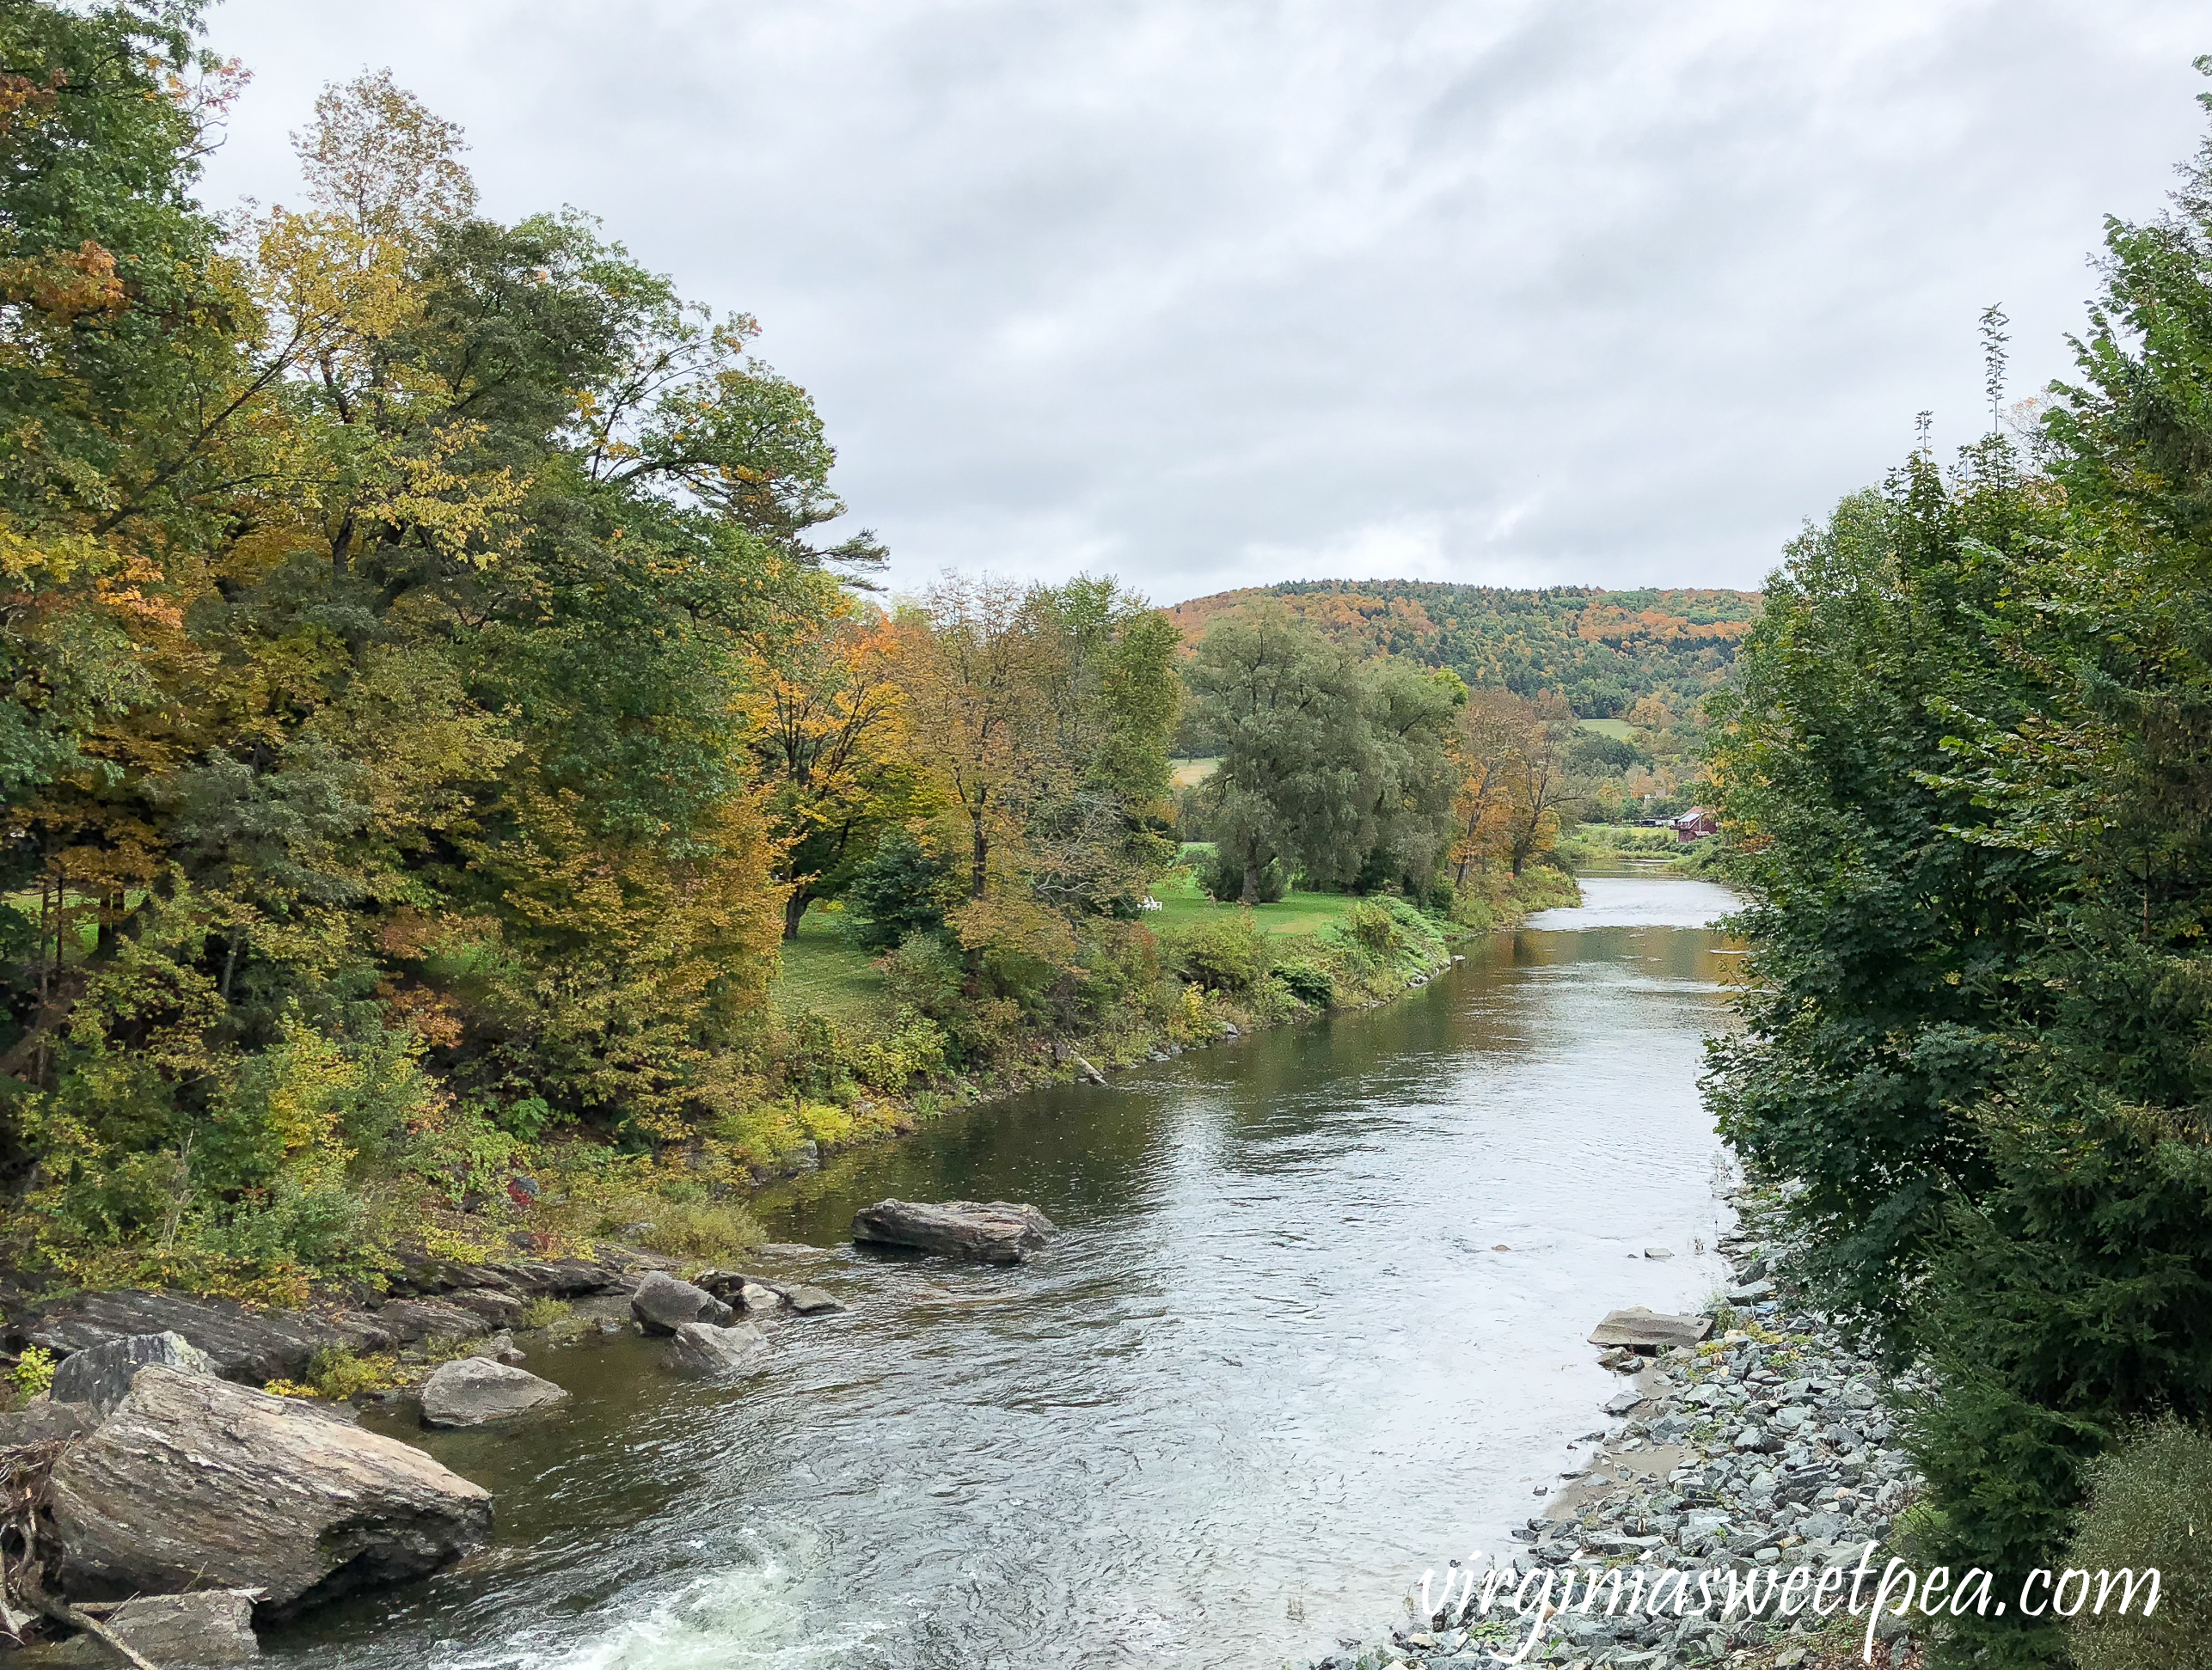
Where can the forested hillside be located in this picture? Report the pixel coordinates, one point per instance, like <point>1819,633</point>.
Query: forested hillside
<point>1600,650</point>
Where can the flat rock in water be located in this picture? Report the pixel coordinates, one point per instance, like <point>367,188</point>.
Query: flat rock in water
<point>469,1391</point>
<point>811,1300</point>
<point>194,1480</point>
<point>100,1376</point>
<point>248,1346</point>
<point>1621,1402</point>
<point>992,1231</point>
<point>754,1300</point>
<point>1652,1329</point>
<point>717,1354</point>
<point>1658,1252</point>
<point>1751,1293</point>
<point>662,1304</point>
<point>208,1626</point>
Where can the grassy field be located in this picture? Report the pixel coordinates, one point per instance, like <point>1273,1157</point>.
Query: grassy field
<point>1620,729</point>
<point>1187,772</point>
<point>1181,903</point>
<point>823,974</point>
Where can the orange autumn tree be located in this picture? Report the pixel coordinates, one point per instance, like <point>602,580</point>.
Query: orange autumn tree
<point>828,729</point>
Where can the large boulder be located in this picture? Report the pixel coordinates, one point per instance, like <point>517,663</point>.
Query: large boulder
<point>208,1626</point>
<point>993,1231</point>
<point>469,1391</point>
<point>662,1305</point>
<point>251,1347</point>
<point>717,1354</point>
<point>194,1481</point>
<point>100,1376</point>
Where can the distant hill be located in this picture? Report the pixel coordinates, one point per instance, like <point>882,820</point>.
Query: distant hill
<point>1602,650</point>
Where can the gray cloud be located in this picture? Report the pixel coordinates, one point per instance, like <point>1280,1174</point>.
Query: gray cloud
<point>1213,294</point>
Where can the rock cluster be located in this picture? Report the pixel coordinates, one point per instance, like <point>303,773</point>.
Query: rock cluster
<point>432,1298</point>
<point>1769,1446</point>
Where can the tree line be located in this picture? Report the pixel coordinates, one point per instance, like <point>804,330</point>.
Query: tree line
<point>1966,769</point>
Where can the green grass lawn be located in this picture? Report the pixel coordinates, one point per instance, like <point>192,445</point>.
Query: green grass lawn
<point>823,975</point>
<point>1620,729</point>
<point>1182,903</point>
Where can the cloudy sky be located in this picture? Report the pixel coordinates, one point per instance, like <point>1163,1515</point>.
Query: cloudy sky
<point>1210,293</point>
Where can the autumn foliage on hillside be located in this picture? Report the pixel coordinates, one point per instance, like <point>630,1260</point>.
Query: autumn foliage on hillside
<point>1599,651</point>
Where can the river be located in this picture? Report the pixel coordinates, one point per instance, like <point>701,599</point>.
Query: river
<point>1315,1322</point>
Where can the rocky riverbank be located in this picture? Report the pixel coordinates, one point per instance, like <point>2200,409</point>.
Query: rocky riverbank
<point>163,1493</point>
<point>1769,1446</point>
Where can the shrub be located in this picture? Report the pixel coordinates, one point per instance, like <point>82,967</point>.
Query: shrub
<point>710,1231</point>
<point>898,893</point>
<point>543,1312</point>
<point>1308,982</point>
<point>33,1372</point>
<point>1223,954</point>
<point>2150,1504</point>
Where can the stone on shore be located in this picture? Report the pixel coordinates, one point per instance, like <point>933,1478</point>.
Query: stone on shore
<point>662,1305</point>
<point>718,1354</point>
<point>44,1423</point>
<point>1650,1331</point>
<point>194,1480</point>
<point>469,1391</point>
<point>208,1626</point>
<point>100,1377</point>
<point>990,1232</point>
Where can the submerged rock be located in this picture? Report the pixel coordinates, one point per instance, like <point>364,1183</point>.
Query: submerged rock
<point>662,1304</point>
<point>469,1391</point>
<point>194,1480</point>
<point>715,1353</point>
<point>100,1377</point>
<point>992,1231</point>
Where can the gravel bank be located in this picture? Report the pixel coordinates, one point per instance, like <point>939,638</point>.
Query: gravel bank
<point>1771,1445</point>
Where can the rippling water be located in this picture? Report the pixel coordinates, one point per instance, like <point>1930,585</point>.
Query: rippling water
<point>1315,1322</point>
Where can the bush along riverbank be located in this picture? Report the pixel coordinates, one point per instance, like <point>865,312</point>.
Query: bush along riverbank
<point>1771,1445</point>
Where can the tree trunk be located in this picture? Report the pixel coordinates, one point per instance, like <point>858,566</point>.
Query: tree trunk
<point>980,864</point>
<point>794,907</point>
<point>1251,873</point>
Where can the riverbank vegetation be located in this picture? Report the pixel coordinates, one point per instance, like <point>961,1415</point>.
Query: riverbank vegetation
<point>457,789</point>
<point>1966,769</point>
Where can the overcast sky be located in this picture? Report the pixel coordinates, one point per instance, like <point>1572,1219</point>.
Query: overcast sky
<point>1210,294</point>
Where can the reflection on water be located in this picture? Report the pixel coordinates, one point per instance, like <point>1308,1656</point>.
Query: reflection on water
<point>1275,1365</point>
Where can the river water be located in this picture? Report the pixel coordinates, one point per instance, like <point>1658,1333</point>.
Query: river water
<point>1315,1322</point>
